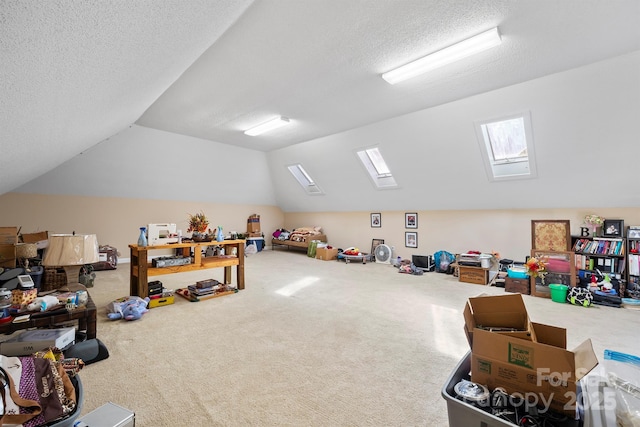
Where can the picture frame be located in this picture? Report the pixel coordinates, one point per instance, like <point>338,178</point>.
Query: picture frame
<point>550,235</point>
<point>376,220</point>
<point>410,220</point>
<point>613,228</point>
<point>561,269</point>
<point>633,232</point>
<point>374,244</point>
<point>411,239</point>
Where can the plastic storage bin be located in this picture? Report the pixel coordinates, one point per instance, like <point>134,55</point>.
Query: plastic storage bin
<point>462,413</point>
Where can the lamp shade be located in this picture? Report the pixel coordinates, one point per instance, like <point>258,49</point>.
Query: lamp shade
<point>26,250</point>
<point>71,249</point>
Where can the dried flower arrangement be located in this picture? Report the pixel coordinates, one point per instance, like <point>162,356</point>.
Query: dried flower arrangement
<point>198,223</point>
<point>536,268</point>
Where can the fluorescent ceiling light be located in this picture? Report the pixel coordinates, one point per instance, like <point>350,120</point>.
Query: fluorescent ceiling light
<point>267,126</point>
<point>475,44</point>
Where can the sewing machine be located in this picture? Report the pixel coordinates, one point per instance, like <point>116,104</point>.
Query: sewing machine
<point>161,234</point>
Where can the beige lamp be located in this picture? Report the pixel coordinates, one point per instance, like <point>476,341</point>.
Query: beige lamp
<point>71,251</point>
<point>24,251</point>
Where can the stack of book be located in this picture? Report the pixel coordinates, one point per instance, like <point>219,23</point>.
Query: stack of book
<point>205,289</point>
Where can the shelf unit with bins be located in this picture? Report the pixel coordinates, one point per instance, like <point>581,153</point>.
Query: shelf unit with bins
<point>633,263</point>
<point>560,270</point>
<point>608,255</point>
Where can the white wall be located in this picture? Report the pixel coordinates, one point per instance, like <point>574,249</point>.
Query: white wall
<point>585,135</point>
<point>146,163</point>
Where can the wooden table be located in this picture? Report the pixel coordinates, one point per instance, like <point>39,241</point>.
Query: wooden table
<point>141,269</point>
<point>87,318</point>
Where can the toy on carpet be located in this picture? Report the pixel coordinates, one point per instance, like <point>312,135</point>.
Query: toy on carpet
<point>127,308</point>
<point>43,303</point>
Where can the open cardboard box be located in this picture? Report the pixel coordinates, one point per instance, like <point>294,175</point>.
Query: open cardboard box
<point>505,314</point>
<point>536,365</point>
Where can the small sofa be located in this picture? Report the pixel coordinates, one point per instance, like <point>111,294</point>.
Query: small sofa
<point>300,238</point>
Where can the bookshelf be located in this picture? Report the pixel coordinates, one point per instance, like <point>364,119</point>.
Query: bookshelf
<point>633,262</point>
<point>605,254</point>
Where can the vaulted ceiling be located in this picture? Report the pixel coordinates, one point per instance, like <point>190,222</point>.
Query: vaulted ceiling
<point>74,73</point>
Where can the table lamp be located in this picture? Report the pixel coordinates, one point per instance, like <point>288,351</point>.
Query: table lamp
<point>25,251</point>
<point>71,251</point>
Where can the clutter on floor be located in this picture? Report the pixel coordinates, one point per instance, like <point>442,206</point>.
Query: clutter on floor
<point>519,373</point>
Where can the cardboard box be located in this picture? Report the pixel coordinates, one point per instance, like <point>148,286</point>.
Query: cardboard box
<point>504,314</point>
<point>534,363</point>
<point>8,235</point>
<point>7,255</point>
<point>326,254</point>
<point>28,342</point>
<point>41,239</point>
<point>521,286</point>
<point>543,371</point>
<point>476,275</point>
<point>253,227</point>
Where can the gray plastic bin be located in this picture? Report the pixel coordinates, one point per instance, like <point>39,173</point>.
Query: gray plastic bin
<point>462,414</point>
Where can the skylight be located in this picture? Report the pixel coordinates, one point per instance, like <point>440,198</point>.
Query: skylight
<point>379,172</point>
<point>304,179</point>
<point>507,147</point>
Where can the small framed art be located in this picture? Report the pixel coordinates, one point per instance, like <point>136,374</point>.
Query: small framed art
<point>613,228</point>
<point>411,220</point>
<point>374,244</point>
<point>376,220</point>
<point>634,232</point>
<point>411,239</point>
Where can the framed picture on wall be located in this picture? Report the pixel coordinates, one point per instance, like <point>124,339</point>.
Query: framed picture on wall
<point>376,220</point>
<point>550,235</point>
<point>411,220</point>
<point>411,239</point>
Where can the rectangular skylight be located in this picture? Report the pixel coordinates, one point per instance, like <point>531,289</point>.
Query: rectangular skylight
<point>304,179</point>
<point>377,168</point>
<point>507,147</point>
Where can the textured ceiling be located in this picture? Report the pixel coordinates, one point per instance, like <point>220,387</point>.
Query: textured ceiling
<point>74,73</point>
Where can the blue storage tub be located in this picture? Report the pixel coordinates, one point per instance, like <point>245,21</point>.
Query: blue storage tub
<point>259,242</point>
<point>517,273</point>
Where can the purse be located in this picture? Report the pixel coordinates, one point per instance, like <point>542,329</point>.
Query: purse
<point>38,391</point>
<point>31,408</point>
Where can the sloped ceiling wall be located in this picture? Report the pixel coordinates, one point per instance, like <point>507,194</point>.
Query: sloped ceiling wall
<point>584,126</point>
<point>143,163</point>
<point>586,143</point>
<point>74,73</point>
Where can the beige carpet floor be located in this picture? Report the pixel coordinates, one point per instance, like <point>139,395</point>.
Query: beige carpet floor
<point>307,343</point>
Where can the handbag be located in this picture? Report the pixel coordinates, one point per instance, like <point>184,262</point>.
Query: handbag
<point>38,391</point>
<point>29,409</point>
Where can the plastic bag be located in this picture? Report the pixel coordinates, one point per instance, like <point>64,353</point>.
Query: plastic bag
<point>623,374</point>
<point>442,260</point>
<point>251,249</point>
